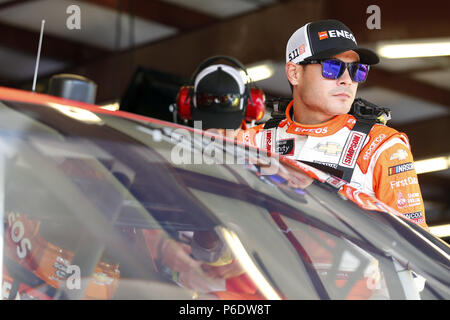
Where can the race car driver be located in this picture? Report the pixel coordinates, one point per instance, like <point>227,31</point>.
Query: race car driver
<point>324,66</point>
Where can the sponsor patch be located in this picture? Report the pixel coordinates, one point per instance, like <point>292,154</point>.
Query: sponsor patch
<point>404,167</point>
<point>269,140</point>
<point>336,34</point>
<point>102,279</point>
<point>414,215</point>
<point>403,183</point>
<point>373,146</point>
<point>297,52</point>
<point>312,130</point>
<point>328,164</point>
<point>60,266</point>
<point>293,54</point>
<point>414,199</point>
<point>285,147</point>
<point>401,201</point>
<point>301,49</point>
<point>399,155</point>
<point>323,35</point>
<point>351,149</point>
<point>329,148</point>
<point>335,182</point>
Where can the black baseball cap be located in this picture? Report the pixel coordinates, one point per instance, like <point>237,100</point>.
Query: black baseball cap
<point>324,39</point>
<point>218,80</point>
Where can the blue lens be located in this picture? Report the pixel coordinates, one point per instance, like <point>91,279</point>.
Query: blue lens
<point>359,72</point>
<point>331,69</point>
<point>334,68</point>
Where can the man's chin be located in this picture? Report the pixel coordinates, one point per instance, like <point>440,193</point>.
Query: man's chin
<point>339,109</point>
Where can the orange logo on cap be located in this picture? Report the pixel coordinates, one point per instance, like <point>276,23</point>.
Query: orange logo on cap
<point>301,49</point>
<point>323,35</point>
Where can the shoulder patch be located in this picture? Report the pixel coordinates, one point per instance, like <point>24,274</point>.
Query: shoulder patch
<point>377,137</point>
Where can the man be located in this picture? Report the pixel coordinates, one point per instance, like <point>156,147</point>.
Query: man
<point>217,99</point>
<point>219,96</point>
<point>324,65</point>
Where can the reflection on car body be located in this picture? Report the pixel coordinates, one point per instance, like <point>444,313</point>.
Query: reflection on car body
<point>94,207</point>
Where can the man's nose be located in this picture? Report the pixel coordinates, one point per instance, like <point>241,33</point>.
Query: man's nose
<point>345,79</point>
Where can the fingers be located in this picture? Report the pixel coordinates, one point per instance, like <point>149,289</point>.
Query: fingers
<point>194,274</point>
<point>227,271</point>
<point>197,280</point>
<point>176,256</point>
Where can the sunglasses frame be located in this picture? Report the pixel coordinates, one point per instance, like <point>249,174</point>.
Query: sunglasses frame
<point>347,66</point>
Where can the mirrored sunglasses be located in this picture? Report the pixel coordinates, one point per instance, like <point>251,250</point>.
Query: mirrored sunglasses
<point>335,68</point>
<point>229,100</point>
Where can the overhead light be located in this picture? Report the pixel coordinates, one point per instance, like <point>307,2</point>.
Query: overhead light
<point>431,165</point>
<point>259,72</point>
<point>441,231</point>
<point>428,48</point>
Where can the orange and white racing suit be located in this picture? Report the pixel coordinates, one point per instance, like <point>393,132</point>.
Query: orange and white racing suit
<point>37,267</point>
<point>382,159</point>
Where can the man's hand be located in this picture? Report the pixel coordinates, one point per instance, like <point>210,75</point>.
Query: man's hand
<point>176,255</point>
<point>200,282</point>
<point>230,270</point>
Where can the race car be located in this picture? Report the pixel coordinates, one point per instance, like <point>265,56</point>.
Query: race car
<point>101,204</point>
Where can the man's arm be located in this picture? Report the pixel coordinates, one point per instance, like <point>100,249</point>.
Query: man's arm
<point>395,182</point>
<point>248,136</point>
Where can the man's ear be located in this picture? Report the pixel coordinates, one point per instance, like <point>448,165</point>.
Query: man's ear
<point>292,73</point>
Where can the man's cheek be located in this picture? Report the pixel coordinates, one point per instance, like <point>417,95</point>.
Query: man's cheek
<point>355,89</point>
<point>315,95</point>
<point>315,100</point>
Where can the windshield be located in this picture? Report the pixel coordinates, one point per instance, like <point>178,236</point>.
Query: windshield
<point>100,207</point>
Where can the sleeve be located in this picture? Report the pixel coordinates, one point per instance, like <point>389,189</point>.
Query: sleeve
<point>250,136</point>
<point>395,182</point>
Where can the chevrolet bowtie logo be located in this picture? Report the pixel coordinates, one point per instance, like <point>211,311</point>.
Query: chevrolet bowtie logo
<point>399,155</point>
<point>330,148</point>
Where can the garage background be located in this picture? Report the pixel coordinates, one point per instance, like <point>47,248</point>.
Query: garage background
<point>140,52</point>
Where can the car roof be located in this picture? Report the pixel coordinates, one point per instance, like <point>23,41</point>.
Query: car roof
<point>370,203</point>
